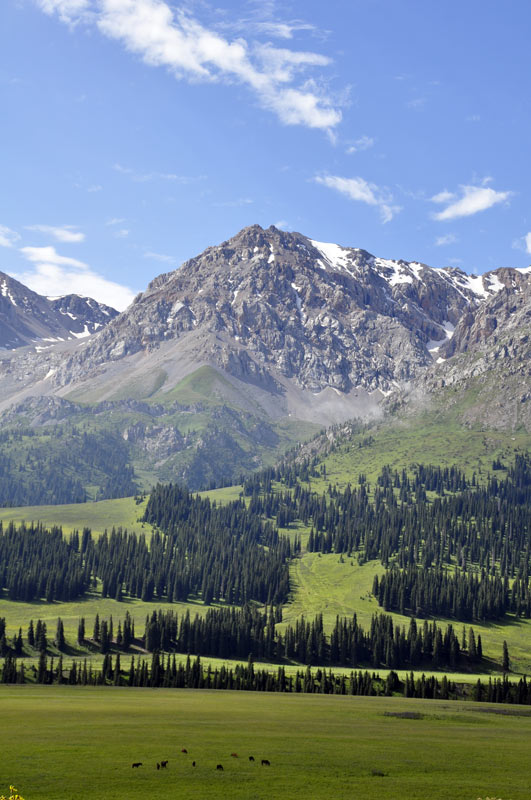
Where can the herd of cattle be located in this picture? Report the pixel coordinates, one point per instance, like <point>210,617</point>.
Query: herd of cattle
<point>164,764</point>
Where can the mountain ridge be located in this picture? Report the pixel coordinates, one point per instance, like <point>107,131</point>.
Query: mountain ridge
<point>269,331</point>
<point>27,318</point>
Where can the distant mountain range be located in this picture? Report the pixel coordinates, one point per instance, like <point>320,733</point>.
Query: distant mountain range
<point>252,345</point>
<point>27,318</point>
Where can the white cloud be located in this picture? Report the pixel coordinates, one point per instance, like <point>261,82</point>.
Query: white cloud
<point>473,199</point>
<point>170,38</point>
<point>450,238</point>
<point>55,275</point>
<point>8,237</point>
<point>443,197</point>
<point>527,239</point>
<point>359,189</point>
<point>363,143</point>
<point>50,256</point>
<point>65,234</point>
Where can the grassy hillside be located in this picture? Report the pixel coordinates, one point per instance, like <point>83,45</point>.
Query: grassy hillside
<point>85,748</point>
<point>425,439</point>
<point>202,432</point>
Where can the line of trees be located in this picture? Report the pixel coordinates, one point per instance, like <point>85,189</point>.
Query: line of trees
<point>464,596</point>
<point>235,633</point>
<point>167,673</point>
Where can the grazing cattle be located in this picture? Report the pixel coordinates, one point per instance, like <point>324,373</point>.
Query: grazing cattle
<point>234,755</point>
<point>158,765</point>
<point>193,763</point>
<point>220,767</point>
<point>251,758</point>
<point>184,750</point>
<point>163,764</point>
<point>266,763</point>
<point>136,764</point>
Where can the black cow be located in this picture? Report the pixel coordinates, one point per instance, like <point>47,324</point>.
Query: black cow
<point>266,763</point>
<point>193,763</point>
<point>251,758</point>
<point>158,765</point>
<point>220,767</point>
<point>136,764</point>
<point>163,764</point>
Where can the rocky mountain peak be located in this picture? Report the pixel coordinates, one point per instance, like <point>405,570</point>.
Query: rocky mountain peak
<point>268,306</point>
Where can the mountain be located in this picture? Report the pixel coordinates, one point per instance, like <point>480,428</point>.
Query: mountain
<point>26,317</point>
<point>256,343</point>
<point>486,365</point>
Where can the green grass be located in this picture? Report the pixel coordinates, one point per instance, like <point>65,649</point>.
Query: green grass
<point>76,743</point>
<point>322,584</point>
<point>438,440</point>
<point>19,614</point>
<point>204,385</point>
<point>97,516</point>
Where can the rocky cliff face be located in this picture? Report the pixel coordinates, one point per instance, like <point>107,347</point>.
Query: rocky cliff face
<point>488,359</point>
<point>269,306</point>
<point>26,317</point>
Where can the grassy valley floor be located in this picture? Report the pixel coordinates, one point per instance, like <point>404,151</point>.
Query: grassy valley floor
<point>76,743</point>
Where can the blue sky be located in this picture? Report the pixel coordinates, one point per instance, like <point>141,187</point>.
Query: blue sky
<point>135,133</point>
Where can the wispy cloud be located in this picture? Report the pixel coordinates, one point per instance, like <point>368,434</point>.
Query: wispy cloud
<point>169,37</point>
<point>145,177</point>
<point>69,11</point>
<point>275,29</point>
<point>66,233</point>
<point>54,275</point>
<point>240,201</point>
<point>470,200</point>
<point>363,143</point>
<point>523,243</point>
<point>8,238</point>
<point>416,103</point>
<point>162,257</point>
<point>359,189</point>
<point>450,238</point>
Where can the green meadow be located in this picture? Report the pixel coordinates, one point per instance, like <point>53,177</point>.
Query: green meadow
<point>72,743</point>
<point>98,516</point>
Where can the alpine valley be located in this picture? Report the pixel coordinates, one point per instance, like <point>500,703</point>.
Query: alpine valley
<point>258,344</point>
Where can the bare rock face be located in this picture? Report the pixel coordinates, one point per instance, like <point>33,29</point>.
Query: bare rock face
<point>292,327</point>
<point>268,307</point>
<point>508,310</point>
<point>489,356</point>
